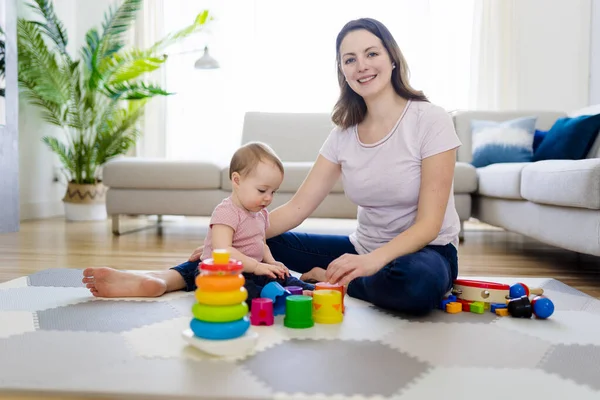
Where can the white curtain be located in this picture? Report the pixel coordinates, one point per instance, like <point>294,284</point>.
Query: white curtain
<point>148,29</point>
<point>494,78</point>
<point>279,56</point>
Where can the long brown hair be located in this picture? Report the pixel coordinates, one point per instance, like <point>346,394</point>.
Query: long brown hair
<point>350,108</point>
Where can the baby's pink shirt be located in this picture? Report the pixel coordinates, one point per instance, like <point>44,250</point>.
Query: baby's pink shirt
<point>249,229</point>
<point>383,179</point>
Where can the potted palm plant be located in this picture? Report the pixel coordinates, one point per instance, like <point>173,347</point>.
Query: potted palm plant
<point>96,99</point>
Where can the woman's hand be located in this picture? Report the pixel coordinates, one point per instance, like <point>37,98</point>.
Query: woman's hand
<point>347,267</point>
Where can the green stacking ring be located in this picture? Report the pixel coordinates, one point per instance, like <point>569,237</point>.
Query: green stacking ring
<point>208,313</point>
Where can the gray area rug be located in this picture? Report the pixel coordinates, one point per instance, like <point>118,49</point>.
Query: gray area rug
<point>57,338</point>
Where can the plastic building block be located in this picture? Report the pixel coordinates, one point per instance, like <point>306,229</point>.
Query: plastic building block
<point>503,312</point>
<point>298,312</point>
<point>262,312</point>
<point>327,307</point>
<point>496,306</point>
<point>277,293</point>
<point>452,298</point>
<point>466,304</point>
<point>477,307</point>
<point>453,307</point>
<point>444,303</point>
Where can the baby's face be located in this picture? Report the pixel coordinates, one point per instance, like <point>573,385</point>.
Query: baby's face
<point>256,190</point>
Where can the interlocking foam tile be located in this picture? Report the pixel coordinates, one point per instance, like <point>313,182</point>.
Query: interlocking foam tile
<point>41,298</point>
<point>163,340</point>
<point>334,367</point>
<point>105,316</point>
<point>568,302</point>
<point>119,347</point>
<point>52,356</point>
<point>493,384</point>
<point>15,323</point>
<point>468,345</point>
<point>566,327</point>
<point>183,305</point>
<point>579,363</point>
<point>444,317</point>
<point>558,286</point>
<point>15,283</point>
<point>57,277</point>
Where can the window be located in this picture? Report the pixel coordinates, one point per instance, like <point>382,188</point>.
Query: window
<point>279,56</point>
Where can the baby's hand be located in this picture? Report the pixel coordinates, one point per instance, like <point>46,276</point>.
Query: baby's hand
<point>286,271</point>
<point>274,271</point>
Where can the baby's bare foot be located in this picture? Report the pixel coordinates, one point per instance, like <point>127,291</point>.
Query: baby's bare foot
<point>109,282</point>
<point>316,274</point>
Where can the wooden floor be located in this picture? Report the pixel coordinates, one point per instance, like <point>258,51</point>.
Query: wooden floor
<point>56,243</point>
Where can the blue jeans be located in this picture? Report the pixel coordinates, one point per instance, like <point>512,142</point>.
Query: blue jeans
<point>253,283</point>
<point>413,284</point>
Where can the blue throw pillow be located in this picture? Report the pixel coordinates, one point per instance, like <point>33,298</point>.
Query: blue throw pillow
<point>538,136</point>
<point>569,139</point>
<point>502,142</point>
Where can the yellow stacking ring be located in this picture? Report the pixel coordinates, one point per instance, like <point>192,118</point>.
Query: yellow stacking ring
<point>222,298</point>
<point>219,313</point>
<point>224,283</point>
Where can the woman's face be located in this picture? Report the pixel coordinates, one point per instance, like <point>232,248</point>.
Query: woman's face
<point>365,63</point>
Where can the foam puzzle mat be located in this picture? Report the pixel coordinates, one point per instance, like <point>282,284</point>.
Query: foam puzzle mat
<point>55,337</point>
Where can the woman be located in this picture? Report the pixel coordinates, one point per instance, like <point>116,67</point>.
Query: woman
<point>395,152</point>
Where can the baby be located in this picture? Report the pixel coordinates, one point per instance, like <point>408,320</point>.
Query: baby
<point>240,221</point>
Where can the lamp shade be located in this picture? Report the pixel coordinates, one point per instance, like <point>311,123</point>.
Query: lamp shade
<point>206,61</point>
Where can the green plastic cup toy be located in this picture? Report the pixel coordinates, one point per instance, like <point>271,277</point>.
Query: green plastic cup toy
<point>298,313</point>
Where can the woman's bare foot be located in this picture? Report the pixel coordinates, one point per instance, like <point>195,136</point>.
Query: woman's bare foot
<point>109,282</point>
<point>315,275</point>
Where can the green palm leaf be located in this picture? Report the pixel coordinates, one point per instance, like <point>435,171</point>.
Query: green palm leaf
<point>51,25</point>
<point>135,91</point>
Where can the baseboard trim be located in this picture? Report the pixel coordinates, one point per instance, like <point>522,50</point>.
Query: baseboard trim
<point>43,210</point>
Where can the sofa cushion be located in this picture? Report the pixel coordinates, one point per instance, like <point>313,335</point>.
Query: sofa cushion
<point>571,183</point>
<point>295,173</point>
<point>501,180</point>
<point>465,178</point>
<point>145,173</point>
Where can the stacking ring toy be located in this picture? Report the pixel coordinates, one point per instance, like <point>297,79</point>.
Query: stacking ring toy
<point>212,283</point>
<point>222,298</point>
<point>220,331</point>
<point>219,313</point>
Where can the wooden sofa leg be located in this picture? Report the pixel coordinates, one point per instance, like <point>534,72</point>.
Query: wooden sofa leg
<point>115,225</point>
<point>461,234</point>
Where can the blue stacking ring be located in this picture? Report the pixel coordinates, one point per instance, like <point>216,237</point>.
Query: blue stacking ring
<point>220,330</point>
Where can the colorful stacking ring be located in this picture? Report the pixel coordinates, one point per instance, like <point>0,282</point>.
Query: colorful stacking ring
<point>225,283</point>
<point>222,298</point>
<point>219,313</point>
<point>220,331</point>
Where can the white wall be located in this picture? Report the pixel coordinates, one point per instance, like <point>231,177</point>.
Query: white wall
<point>40,196</point>
<point>553,58</point>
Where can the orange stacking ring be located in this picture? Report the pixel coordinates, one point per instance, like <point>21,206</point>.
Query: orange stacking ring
<point>222,298</point>
<point>223,283</point>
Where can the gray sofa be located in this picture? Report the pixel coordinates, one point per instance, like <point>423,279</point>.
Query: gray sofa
<point>556,202</point>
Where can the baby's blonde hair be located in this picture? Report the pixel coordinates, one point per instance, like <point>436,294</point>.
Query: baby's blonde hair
<point>247,157</point>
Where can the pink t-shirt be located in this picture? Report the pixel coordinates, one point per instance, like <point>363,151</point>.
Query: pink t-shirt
<point>383,179</point>
<point>249,229</point>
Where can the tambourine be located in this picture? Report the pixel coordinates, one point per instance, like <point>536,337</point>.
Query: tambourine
<point>490,292</point>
